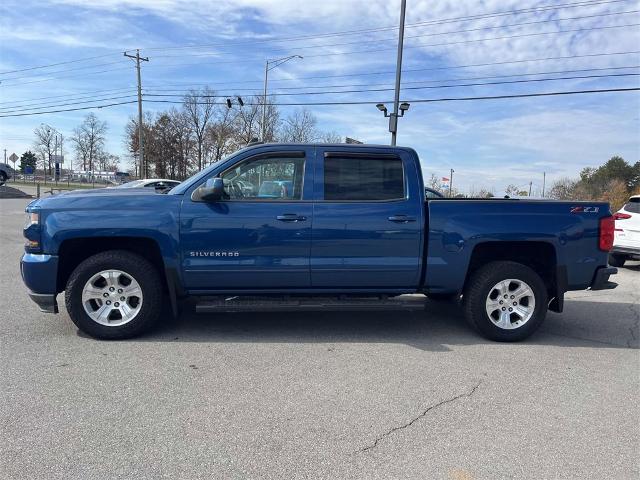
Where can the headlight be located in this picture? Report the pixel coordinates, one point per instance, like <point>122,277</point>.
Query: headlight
<point>33,218</point>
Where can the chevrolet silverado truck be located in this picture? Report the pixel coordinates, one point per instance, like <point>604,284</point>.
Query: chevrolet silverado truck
<point>310,226</point>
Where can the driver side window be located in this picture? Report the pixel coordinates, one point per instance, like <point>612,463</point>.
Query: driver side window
<point>273,178</point>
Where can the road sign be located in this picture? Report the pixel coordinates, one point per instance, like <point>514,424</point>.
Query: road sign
<point>28,169</point>
<point>13,158</point>
<point>57,158</point>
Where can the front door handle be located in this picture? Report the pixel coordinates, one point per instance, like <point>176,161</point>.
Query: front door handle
<point>291,217</point>
<point>401,219</point>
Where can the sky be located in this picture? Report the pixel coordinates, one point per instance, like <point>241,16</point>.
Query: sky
<point>448,45</point>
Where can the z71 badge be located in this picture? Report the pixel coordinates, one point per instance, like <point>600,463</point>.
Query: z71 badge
<point>585,209</point>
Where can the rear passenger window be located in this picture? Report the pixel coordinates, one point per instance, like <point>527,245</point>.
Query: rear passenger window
<point>363,179</point>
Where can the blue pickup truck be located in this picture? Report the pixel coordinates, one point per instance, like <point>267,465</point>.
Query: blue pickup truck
<point>348,226</point>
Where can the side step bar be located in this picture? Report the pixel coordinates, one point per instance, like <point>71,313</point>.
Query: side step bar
<point>338,303</point>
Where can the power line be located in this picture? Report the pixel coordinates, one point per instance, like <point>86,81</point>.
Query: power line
<point>422,45</point>
<point>94,95</point>
<point>405,70</point>
<point>69,96</point>
<point>423,100</point>
<point>19,108</point>
<point>450,32</point>
<point>419,81</point>
<point>119,62</point>
<point>77,60</point>
<point>475,40</point>
<point>579,77</point>
<point>514,12</point>
<point>68,109</point>
<point>395,27</point>
<point>431,100</point>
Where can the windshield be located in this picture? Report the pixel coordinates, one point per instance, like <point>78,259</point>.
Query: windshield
<point>134,184</point>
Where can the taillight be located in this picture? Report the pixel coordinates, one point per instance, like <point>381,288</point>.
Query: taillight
<point>607,225</point>
<point>621,216</point>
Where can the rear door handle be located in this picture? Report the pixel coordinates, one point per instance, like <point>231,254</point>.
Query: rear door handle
<point>401,219</point>
<point>291,217</point>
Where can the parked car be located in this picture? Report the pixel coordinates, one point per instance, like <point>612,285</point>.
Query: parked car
<point>626,242</point>
<point>354,230</point>
<point>6,172</point>
<point>161,185</point>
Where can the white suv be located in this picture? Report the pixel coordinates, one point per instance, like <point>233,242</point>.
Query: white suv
<point>626,243</point>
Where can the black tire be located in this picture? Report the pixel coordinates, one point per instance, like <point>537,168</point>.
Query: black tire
<point>138,268</point>
<point>479,287</point>
<point>443,297</point>
<point>617,260</point>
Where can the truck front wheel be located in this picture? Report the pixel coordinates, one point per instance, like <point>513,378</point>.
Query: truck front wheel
<point>114,295</point>
<point>505,301</point>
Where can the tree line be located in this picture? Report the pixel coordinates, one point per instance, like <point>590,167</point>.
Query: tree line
<point>202,130</point>
<point>612,182</point>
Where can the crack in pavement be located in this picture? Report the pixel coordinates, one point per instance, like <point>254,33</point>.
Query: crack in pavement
<point>422,415</point>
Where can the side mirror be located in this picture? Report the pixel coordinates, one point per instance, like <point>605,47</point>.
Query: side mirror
<point>211,191</point>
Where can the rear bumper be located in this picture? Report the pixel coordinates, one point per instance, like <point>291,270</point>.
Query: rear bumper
<point>625,250</point>
<point>601,279</point>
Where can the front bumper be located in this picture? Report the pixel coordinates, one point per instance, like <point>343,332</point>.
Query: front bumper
<point>46,301</point>
<point>40,274</point>
<point>601,279</point>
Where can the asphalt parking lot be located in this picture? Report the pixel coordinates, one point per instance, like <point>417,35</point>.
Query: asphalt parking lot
<point>319,395</point>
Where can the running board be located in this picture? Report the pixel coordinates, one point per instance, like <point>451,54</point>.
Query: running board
<point>336,303</point>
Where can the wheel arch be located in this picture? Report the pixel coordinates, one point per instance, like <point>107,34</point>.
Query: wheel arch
<point>538,255</point>
<point>73,251</point>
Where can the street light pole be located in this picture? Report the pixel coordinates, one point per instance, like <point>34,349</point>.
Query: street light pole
<point>451,183</point>
<point>264,101</point>
<point>270,65</point>
<point>393,118</point>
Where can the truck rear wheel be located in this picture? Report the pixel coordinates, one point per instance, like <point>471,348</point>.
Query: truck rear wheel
<point>114,295</point>
<point>505,301</point>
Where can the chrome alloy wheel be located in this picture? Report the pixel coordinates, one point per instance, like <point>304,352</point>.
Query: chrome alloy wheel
<point>510,304</point>
<point>112,298</point>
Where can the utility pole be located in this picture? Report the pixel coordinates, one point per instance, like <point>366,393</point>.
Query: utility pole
<point>530,184</point>
<point>393,118</point>
<point>544,181</point>
<point>451,183</point>
<point>137,58</point>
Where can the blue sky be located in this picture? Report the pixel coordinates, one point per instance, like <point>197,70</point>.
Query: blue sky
<point>489,143</point>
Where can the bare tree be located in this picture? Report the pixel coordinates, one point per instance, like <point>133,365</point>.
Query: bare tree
<point>300,127</point>
<point>563,189</point>
<point>512,190</point>
<point>199,108</point>
<point>330,137</point>
<point>184,144</point>
<point>45,144</point>
<point>221,133</point>
<point>88,139</point>
<point>247,122</point>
